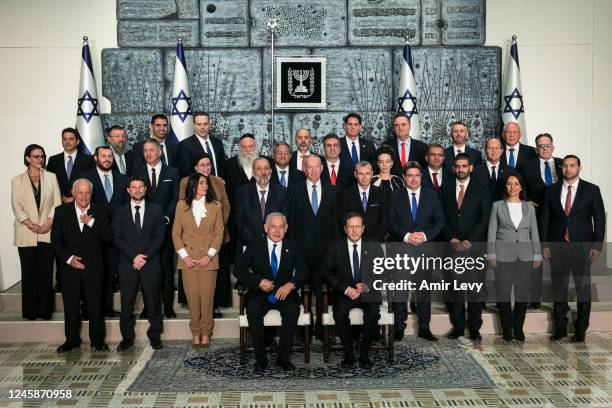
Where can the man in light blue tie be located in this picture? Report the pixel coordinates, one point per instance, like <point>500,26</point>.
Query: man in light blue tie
<point>516,154</point>
<point>281,170</point>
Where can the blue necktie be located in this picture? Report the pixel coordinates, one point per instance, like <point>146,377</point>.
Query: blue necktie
<point>364,201</point>
<point>548,178</point>
<point>69,166</point>
<point>354,154</point>
<point>108,188</point>
<point>413,206</point>
<point>274,270</point>
<point>314,199</point>
<point>212,162</point>
<point>137,221</point>
<point>283,180</point>
<point>356,270</point>
<point>511,160</point>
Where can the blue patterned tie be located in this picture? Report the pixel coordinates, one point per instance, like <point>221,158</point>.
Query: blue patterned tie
<point>354,154</point>
<point>283,179</point>
<point>364,201</point>
<point>413,207</point>
<point>274,270</point>
<point>314,199</point>
<point>108,188</point>
<point>511,160</point>
<point>356,269</point>
<point>548,178</point>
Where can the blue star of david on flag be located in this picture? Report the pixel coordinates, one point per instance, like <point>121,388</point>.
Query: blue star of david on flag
<point>176,109</point>
<point>509,99</point>
<point>404,98</point>
<point>82,102</point>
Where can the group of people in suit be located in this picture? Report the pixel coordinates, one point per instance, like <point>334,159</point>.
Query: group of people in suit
<point>293,219</point>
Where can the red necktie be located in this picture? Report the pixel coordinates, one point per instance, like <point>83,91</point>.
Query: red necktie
<point>568,209</point>
<point>435,181</point>
<point>460,197</point>
<point>333,175</point>
<point>302,168</point>
<point>403,159</point>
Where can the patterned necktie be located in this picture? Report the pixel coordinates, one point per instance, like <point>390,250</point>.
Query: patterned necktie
<point>108,188</point>
<point>548,178</point>
<point>69,167</point>
<point>262,204</point>
<point>333,175</point>
<point>164,157</point>
<point>364,201</point>
<point>413,207</point>
<point>314,200</point>
<point>137,221</point>
<point>403,158</point>
<point>273,270</point>
<point>213,171</point>
<point>436,185</point>
<point>356,269</point>
<point>354,154</point>
<point>153,181</point>
<point>511,160</point>
<point>122,164</point>
<point>283,180</point>
<point>568,210</point>
<point>460,196</point>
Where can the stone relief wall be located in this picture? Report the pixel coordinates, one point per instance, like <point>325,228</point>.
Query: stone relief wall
<point>228,63</point>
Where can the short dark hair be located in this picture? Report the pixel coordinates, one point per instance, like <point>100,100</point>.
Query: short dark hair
<point>458,122</point>
<point>541,135</point>
<point>463,156</point>
<point>72,130</point>
<point>114,127</point>
<point>28,152</point>
<point>434,145</point>
<point>330,136</point>
<point>572,156</point>
<point>385,149</point>
<point>400,115</point>
<point>353,214</point>
<point>278,144</point>
<point>158,116</point>
<point>247,135</point>
<point>195,115</point>
<point>514,173</point>
<point>136,178</point>
<point>103,147</point>
<point>411,164</point>
<point>352,115</point>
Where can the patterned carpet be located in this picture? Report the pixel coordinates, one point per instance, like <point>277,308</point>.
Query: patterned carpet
<point>418,364</point>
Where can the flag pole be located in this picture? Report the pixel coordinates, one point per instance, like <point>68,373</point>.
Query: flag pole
<point>272,26</point>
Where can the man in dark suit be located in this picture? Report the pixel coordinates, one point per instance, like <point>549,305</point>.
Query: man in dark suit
<point>162,189</point>
<point>280,168</point>
<point>346,265</point>
<point>459,135</point>
<point>116,138</point>
<point>573,229</point>
<point>273,270</point>
<point>313,224</point>
<point>238,170</point>
<point>159,131</point>
<point>491,173</point>
<point>303,141</point>
<point>78,236</point>
<point>368,201</point>
<point>354,148</point>
<point>516,154</point>
<point>416,218</point>
<point>405,147</point>
<point>192,148</point>
<point>436,175</point>
<point>337,172</point>
<point>254,201</point>
<point>139,232</point>
<point>466,213</point>
<point>110,191</point>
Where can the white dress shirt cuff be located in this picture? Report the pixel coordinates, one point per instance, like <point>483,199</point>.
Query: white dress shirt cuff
<point>69,260</point>
<point>211,252</point>
<point>182,253</point>
<point>346,290</point>
<point>90,223</point>
<point>407,237</point>
<point>491,257</point>
<point>537,257</point>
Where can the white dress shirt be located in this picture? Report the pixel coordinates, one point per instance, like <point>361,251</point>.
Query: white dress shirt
<point>319,192</point>
<point>259,190</point>
<point>564,192</point>
<point>81,225</point>
<point>120,159</point>
<point>490,168</point>
<point>350,143</point>
<point>105,173</point>
<point>553,171</point>
<point>336,167</point>
<point>133,204</point>
<point>278,251</point>
<point>516,212</point>
<point>439,175</point>
<point>417,196</point>
<point>458,187</point>
<point>203,142</point>
<point>361,191</point>
<point>457,148</point>
<point>248,170</point>
<point>516,152</point>
<point>66,155</point>
<point>350,249</point>
<point>399,148</point>
<point>299,159</point>
<point>280,175</point>
<point>198,209</point>
<point>157,168</point>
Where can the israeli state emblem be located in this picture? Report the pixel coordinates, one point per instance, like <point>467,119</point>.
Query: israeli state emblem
<point>295,83</point>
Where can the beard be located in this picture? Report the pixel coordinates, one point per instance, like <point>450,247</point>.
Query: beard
<point>246,159</point>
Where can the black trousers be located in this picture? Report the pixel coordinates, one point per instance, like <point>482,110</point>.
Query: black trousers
<point>37,300</point>
<point>168,267</point>
<point>423,302</point>
<point>371,314</point>
<point>566,258</point>
<point>518,274</point>
<point>77,285</point>
<point>129,282</point>
<point>112,261</point>
<point>256,309</point>
<point>475,301</point>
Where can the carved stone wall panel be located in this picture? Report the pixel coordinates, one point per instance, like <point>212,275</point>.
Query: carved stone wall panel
<point>136,124</point>
<point>132,33</point>
<point>465,22</point>
<point>132,79</point>
<point>278,52</point>
<point>431,22</point>
<point>386,22</point>
<point>188,9</point>
<point>435,125</point>
<point>220,80</point>
<point>315,23</point>
<point>145,9</point>
<point>224,23</point>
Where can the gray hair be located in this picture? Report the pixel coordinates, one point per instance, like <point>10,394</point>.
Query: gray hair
<point>276,214</point>
<point>82,180</point>
<point>312,156</point>
<point>282,144</point>
<point>152,141</point>
<point>363,163</point>
<point>258,158</point>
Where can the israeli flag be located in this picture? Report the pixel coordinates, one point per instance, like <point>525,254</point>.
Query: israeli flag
<point>181,116</point>
<point>88,121</point>
<point>513,109</point>
<point>406,97</point>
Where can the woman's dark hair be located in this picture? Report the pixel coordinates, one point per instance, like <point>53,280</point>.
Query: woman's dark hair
<point>385,149</point>
<point>520,180</point>
<point>28,152</point>
<point>192,188</point>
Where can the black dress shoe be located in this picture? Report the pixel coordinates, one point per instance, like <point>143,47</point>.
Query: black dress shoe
<point>519,335</point>
<point>285,364</point>
<point>507,337</point>
<point>347,362</point>
<point>124,346</point>
<point>99,347</point>
<point>111,313</point>
<point>365,363</point>
<point>427,335</point>
<point>399,335</point>
<point>475,335</point>
<point>169,313</point>
<point>534,305</point>
<point>413,308</point>
<point>144,314</point>
<point>558,335</point>
<point>66,347</point>
<point>578,337</point>
<point>455,334</point>
<point>260,365</point>
<point>156,344</point>
<point>217,314</point>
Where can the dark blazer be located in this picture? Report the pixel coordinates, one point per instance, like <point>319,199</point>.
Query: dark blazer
<point>469,222</point>
<point>130,243</point>
<point>449,156</point>
<point>171,149</point>
<point>345,175</point>
<point>254,266</point>
<point>167,192</point>
<point>447,177</point>
<point>191,150</point>
<point>129,163</point>
<point>496,188</point>
<point>290,176</point>
<point>417,153</point>
<point>534,181</point>
<point>311,232</point>
<point>376,216</point>
<point>430,216</point>
<point>367,150</point>
<point>69,240</point>
<point>120,195</point>
<point>295,174</point>
<point>234,177</point>
<point>247,210</point>
<point>82,163</point>
<point>525,154</point>
<point>586,222</point>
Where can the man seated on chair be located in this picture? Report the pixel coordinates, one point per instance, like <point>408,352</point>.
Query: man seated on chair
<point>346,263</point>
<point>273,270</point>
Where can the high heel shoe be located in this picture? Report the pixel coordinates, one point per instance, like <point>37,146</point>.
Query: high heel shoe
<point>196,341</point>
<point>205,343</point>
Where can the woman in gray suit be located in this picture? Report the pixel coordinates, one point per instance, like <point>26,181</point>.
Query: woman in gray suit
<point>513,250</point>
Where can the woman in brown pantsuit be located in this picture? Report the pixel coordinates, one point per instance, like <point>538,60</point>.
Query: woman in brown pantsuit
<point>197,234</point>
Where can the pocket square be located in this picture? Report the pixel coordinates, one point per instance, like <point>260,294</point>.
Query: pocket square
<point>166,181</point>
<point>375,205</point>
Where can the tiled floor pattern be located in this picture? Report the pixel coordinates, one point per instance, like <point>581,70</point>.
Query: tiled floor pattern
<point>534,374</point>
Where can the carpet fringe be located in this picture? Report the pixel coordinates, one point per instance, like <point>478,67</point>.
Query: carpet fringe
<point>484,363</point>
<point>131,376</point>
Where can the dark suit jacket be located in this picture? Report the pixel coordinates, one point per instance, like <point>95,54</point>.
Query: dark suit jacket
<point>129,163</point>
<point>234,177</point>
<point>69,240</point>
<point>345,175</point>
<point>171,148</point>
<point>376,216</point>
<point>254,266</point>
<point>470,222</point>
<point>525,154</point>
<point>296,175</point>
<point>290,176</point>
<point>417,153</point>
<point>82,163</point>
<point>367,150</point>
<point>586,222</point>
<point>247,210</point>
<point>130,243</point>
<point>167,192</point>
<point>120,195</point>
<point>447,177</point>
<point>535,183</point>
<point>496,188</point>
<point>449,156</point>
<point>429,219</point>
<point>191,150</point>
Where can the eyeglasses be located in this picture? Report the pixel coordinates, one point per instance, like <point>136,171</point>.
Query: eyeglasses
<point>544,146</point>
<point>283,153</point>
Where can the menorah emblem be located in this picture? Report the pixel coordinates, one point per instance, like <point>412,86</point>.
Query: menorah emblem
<point>301,75</point>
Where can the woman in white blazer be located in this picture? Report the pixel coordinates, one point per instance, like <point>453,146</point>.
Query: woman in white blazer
<point>34,196</point>
<point>513,249</point>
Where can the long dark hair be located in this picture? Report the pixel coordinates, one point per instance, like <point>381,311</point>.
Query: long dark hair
<point>192,188</point>
<point>520,180</point>
<point>28,151</point>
